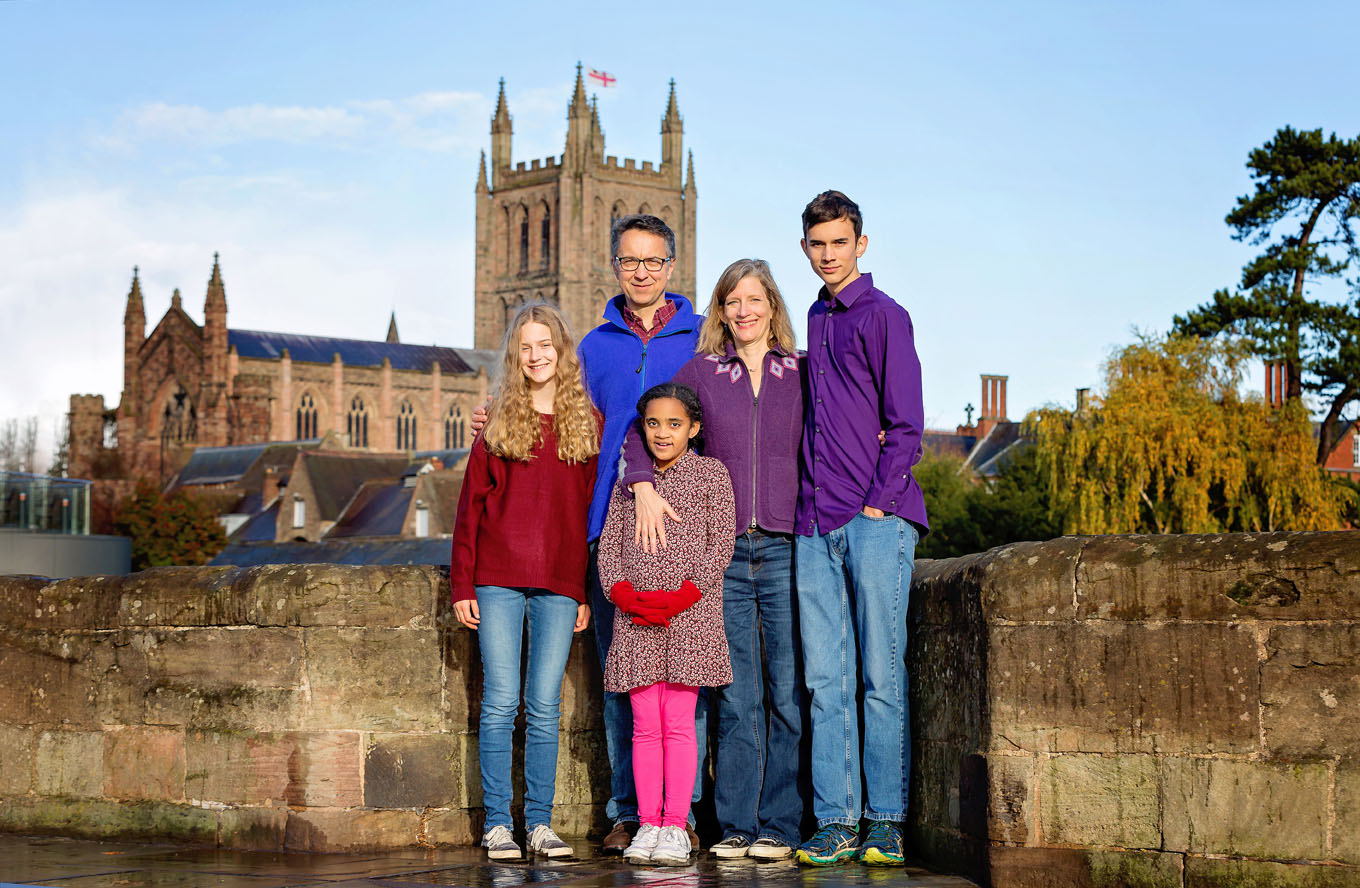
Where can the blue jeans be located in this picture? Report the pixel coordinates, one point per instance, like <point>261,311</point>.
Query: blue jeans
<point>618,717</point>
<point>552,619</point>
<point>853,589</point>
<point>760,714</point>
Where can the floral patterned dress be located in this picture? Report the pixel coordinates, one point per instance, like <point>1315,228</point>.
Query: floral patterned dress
<point>692,650</point>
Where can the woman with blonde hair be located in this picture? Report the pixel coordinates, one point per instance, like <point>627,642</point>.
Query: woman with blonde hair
<point>519,554</point>
<point>747,377</point>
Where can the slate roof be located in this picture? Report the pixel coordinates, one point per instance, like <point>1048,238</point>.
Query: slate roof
<point>400,551</point>
<point>337,477</point>
<point>356,352</point>
<point>219,465</point>
<point>948,443</point>
<point>983,458</point>
<point>378,509</point>
<point>259,528</point>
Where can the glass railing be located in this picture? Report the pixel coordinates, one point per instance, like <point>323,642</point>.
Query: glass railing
<point>41,502</point>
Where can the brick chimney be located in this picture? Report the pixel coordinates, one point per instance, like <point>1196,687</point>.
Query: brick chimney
<point>270,488</point>
<point>993,403</point>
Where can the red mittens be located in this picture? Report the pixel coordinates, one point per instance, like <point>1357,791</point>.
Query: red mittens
<point>685,597</point>
<point>624,596</point>
<point>657,608</point>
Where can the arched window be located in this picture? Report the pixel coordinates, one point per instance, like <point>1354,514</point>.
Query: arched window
<point>455,428</point>
<point>356,423</point>
<point>524,243</point>
<point>509,254</point>
<point>545,236</point>
<point>179,420</point>
<point>306,417</point>
<point>406,426</point>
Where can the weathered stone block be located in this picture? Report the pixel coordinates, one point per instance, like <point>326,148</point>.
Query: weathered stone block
<point>415,771</point>
<point>582,688</point>
<point>223,659</point>
<point>393,596</point>
<point>40,604</point>
<point>237,769</point>
<point>1346,833</point>
<point>1275,576</point>
<point>240,708</point>
<point>935,784</point>
<point>1203,872</point>
<point>373,679</point>
<point>144,763</point>
<point>49,679</point>
<point>252,829</point>
<point>338,829</point>
<point>1021,582</point>
<point>1248,808</point>
<point>1010,797</point>
<point>446,829</point>
<point>70,763</point>
<point>182,596</point>
<point>18,748</point>
<point>582,767</point>
<point>1103,801</point>
<point>92,818</point>
<point>1310,690</point>
<point>1114,687</point>
<point>462,697</point>
<point>1020,867</point>
<point>946,683</point>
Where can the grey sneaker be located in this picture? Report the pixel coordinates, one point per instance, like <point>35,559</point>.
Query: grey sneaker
<point>644,842</point>
<point>542,840</point>
<point>732,846</point>
<point>672,847</point>
<point>766,848</point>
<point>500,844</point>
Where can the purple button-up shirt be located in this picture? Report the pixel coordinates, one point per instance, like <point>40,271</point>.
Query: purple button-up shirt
<point>863,375</point>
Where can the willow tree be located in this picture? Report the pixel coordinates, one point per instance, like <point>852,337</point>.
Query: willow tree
<point>1303,212</point>
<point>1171,447</point>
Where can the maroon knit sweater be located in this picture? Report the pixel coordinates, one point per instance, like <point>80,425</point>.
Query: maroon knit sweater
<point>522,524</point>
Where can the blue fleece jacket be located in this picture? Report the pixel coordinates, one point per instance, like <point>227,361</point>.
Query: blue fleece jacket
<point>618,369</point>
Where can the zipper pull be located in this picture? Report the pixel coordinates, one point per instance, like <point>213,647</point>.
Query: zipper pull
<point>643,361</point>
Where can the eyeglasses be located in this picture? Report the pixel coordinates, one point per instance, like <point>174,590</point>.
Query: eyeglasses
<point>651,263</point>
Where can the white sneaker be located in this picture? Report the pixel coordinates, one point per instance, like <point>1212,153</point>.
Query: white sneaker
<point>672,847</point>
<point>542,840</point>
<point>644,842</point>
<point>500,844</point>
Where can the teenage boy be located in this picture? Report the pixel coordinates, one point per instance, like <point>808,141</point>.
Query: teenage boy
<point>860,515</point>
<point>646,336</point>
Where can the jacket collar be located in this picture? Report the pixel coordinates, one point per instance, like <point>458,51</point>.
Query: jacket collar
<point>852,291</point>
<point>683,322</point>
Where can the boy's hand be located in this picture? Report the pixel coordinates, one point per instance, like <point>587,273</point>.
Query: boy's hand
<point>872,512</point>
<point>479,416</point>
<point>649,528</point>
<point>582,617</point>
<point>467,613</point>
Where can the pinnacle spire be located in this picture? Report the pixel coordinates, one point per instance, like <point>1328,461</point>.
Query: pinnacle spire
<point>175,301</point>
<point>134,299</point>
<point>672,122</point>
<point>689,175</point>
<point>217,294</point>
<point>392,328</point>
<point>579,105</point>
<point>481,173</point>
<point>501,122</point>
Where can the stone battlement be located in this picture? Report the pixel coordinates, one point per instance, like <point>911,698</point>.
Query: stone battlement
<point>1087,711</point>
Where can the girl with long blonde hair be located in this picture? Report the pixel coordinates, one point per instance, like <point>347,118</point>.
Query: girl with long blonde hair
<point>519,554</point>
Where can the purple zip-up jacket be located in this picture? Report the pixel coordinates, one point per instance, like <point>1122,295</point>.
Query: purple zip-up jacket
<point>756,438</point>
<point>863,375</point>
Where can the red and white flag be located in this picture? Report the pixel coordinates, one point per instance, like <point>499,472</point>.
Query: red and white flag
<point>600,78</point>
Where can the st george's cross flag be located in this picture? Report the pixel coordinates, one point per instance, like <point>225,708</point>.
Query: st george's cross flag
<point>600,78</point>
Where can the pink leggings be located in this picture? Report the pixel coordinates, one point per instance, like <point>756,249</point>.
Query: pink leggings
<point>665,750</point>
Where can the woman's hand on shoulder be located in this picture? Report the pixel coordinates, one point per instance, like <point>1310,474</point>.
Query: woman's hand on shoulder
<point>582,617</point>
<point>649,530</point>
<point>479,415</point>
<point>467,613</point>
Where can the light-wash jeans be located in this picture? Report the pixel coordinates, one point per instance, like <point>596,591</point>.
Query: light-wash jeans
<point>853,589</point>
<point>551,619</point>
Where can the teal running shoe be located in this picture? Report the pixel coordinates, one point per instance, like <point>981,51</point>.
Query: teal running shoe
<point>883,846</point>
<point>830,845</point>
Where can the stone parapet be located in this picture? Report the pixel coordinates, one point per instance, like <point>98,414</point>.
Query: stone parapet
<point>1141,710</point>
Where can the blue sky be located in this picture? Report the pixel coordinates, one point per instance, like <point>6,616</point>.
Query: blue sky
<point>1037,179</point>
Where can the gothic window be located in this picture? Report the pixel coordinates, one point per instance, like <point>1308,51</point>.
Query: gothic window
<point>545,236</point>
<point>179,420</point>
<point>524,243</point>
<point>356,423</point>
<point>455,428</point>
<point>508,252</point>
<point>306,417</point>
<point>406,426</point>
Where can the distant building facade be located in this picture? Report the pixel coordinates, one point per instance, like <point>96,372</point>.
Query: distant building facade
<point>543,227</point>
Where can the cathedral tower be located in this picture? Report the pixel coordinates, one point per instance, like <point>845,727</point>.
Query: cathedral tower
<point>543,227</point>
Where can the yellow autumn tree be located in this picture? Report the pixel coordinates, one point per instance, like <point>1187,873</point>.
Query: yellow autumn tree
<point>1172,447</point>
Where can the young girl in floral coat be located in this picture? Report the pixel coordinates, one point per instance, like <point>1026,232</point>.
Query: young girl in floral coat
<point>668,625</point>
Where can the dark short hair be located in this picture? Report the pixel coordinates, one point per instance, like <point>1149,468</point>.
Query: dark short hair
<point>641,222</point>
<point>680,392</point>
<point>830,206</point>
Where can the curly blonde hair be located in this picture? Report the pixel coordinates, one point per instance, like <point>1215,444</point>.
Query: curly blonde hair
<point>714,334</point>
<point>512,426</point>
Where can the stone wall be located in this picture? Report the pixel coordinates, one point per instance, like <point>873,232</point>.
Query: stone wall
<point>304,707</point>
<point>1149,711</point>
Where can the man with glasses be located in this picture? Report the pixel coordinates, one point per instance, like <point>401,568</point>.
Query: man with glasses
<point>646,336</point>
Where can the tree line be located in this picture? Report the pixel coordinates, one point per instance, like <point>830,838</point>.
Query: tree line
<point>1171,445</point>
